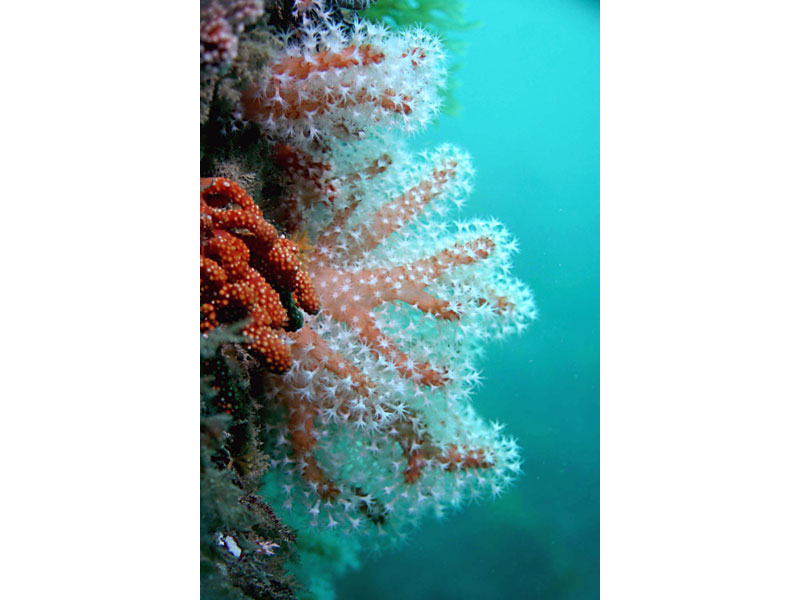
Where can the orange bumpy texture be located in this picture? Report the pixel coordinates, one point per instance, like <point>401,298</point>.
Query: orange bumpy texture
<point>244,264</point>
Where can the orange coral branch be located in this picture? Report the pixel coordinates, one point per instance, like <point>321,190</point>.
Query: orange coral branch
<point>242,261</point>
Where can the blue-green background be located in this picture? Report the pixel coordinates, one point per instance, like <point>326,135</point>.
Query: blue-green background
<point>530,119</point>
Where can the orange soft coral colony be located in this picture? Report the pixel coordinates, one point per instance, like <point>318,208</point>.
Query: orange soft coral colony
<point>244,267</point>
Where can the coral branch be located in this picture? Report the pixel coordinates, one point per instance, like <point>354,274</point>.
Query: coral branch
<point>404,209</point>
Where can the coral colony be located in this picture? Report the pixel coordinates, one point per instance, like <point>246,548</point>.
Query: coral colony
<point>363,320</point>
<point>379,426</point>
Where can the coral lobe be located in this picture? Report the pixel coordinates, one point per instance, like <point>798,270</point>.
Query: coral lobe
<point>243,261</point>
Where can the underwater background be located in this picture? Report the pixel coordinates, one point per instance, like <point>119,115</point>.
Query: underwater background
<point>529,86</point>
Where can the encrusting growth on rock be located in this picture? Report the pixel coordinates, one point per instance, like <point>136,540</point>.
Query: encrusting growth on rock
<point>221,22</point>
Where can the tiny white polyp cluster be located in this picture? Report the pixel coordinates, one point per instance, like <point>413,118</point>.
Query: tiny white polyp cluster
<point>330,83</point>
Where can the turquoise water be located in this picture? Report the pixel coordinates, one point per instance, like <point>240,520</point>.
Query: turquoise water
<point>530,119</point>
